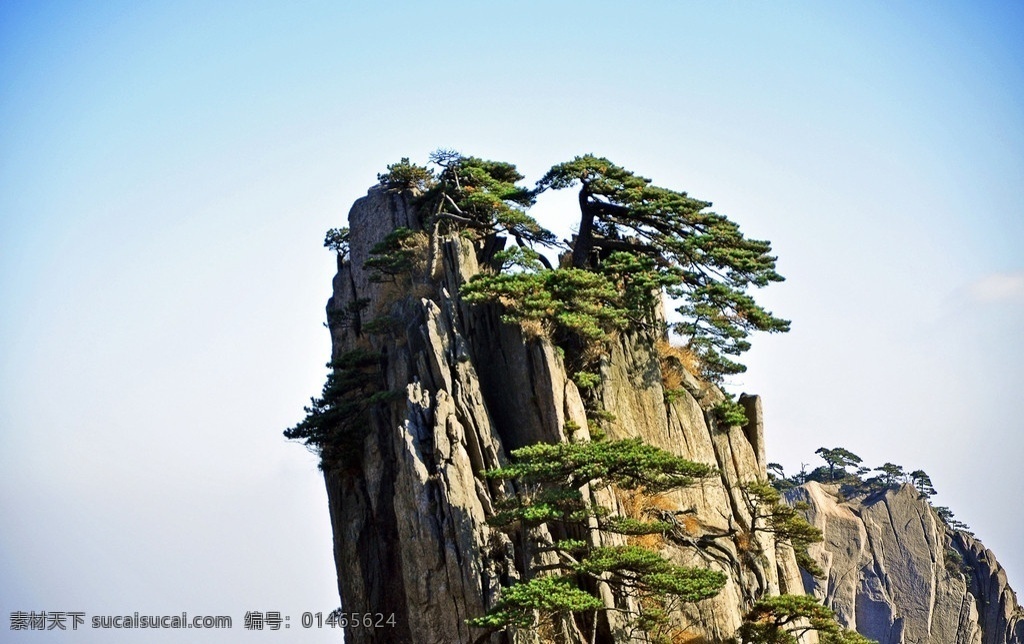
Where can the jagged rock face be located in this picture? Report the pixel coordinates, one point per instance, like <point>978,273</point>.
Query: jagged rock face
<point>409,519</point>
<point>892,574</point>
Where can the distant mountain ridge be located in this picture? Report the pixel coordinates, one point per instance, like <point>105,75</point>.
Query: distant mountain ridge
<point>898,574</point>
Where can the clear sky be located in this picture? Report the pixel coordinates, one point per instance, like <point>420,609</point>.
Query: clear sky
<point>167,171</point>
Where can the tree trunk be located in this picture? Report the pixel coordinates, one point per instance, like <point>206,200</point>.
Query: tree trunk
<point>585,237</point>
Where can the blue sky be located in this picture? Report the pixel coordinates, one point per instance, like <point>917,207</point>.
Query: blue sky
<point>167,171</point>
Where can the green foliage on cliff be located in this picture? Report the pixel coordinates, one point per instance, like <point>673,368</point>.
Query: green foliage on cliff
<point>407,176</point>
<point>700,258</point>
<point>543,597</point>
<point>550,480</point>
<point>785,522</point>
<point>635,241</point>
<point>730,413</point>
<point>782,619</point>
<point>641,569</point>
<point>628,464</point>
<point>336,239</point>
<point>562,301</point>
<point>946,516</point>
<point>920,480</point>
<point>482,196</point>
<point>954,563</point>
<point>335,423</point>
<point>838,459</point>
<point>393,256</point>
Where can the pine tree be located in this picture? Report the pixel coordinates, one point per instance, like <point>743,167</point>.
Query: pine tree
<point>335,423</point>
<point>891,474</point>
<point>785,522</point>
<point>482,195</point>
<point>549,481</point>
<point>705,262</point>
<point>782,619</point>
<point>837,457</point>
<point>923,483</point>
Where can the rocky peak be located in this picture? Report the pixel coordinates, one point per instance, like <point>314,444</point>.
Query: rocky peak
<point>409,510</point>
<point>897,574</point>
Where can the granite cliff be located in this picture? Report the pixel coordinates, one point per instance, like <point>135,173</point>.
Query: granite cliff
<point>898,574</point>
<point>409,512</point>
<point>448,389</point>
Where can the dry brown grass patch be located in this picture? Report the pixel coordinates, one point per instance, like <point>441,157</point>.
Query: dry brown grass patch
<point>674,357</point>
<point>649,541</point>
<point>682,636</point>
<point>631,502</point>
<point>533,329</point>
<point>743,541</point>
<point>671,379</point>
<point>636,504</point>
<point>691,524</point>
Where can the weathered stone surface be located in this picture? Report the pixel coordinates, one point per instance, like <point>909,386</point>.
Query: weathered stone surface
<point>888,572</point>
<point>754,430</point>
<point>409,521</point>
<point>1000,616</point>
